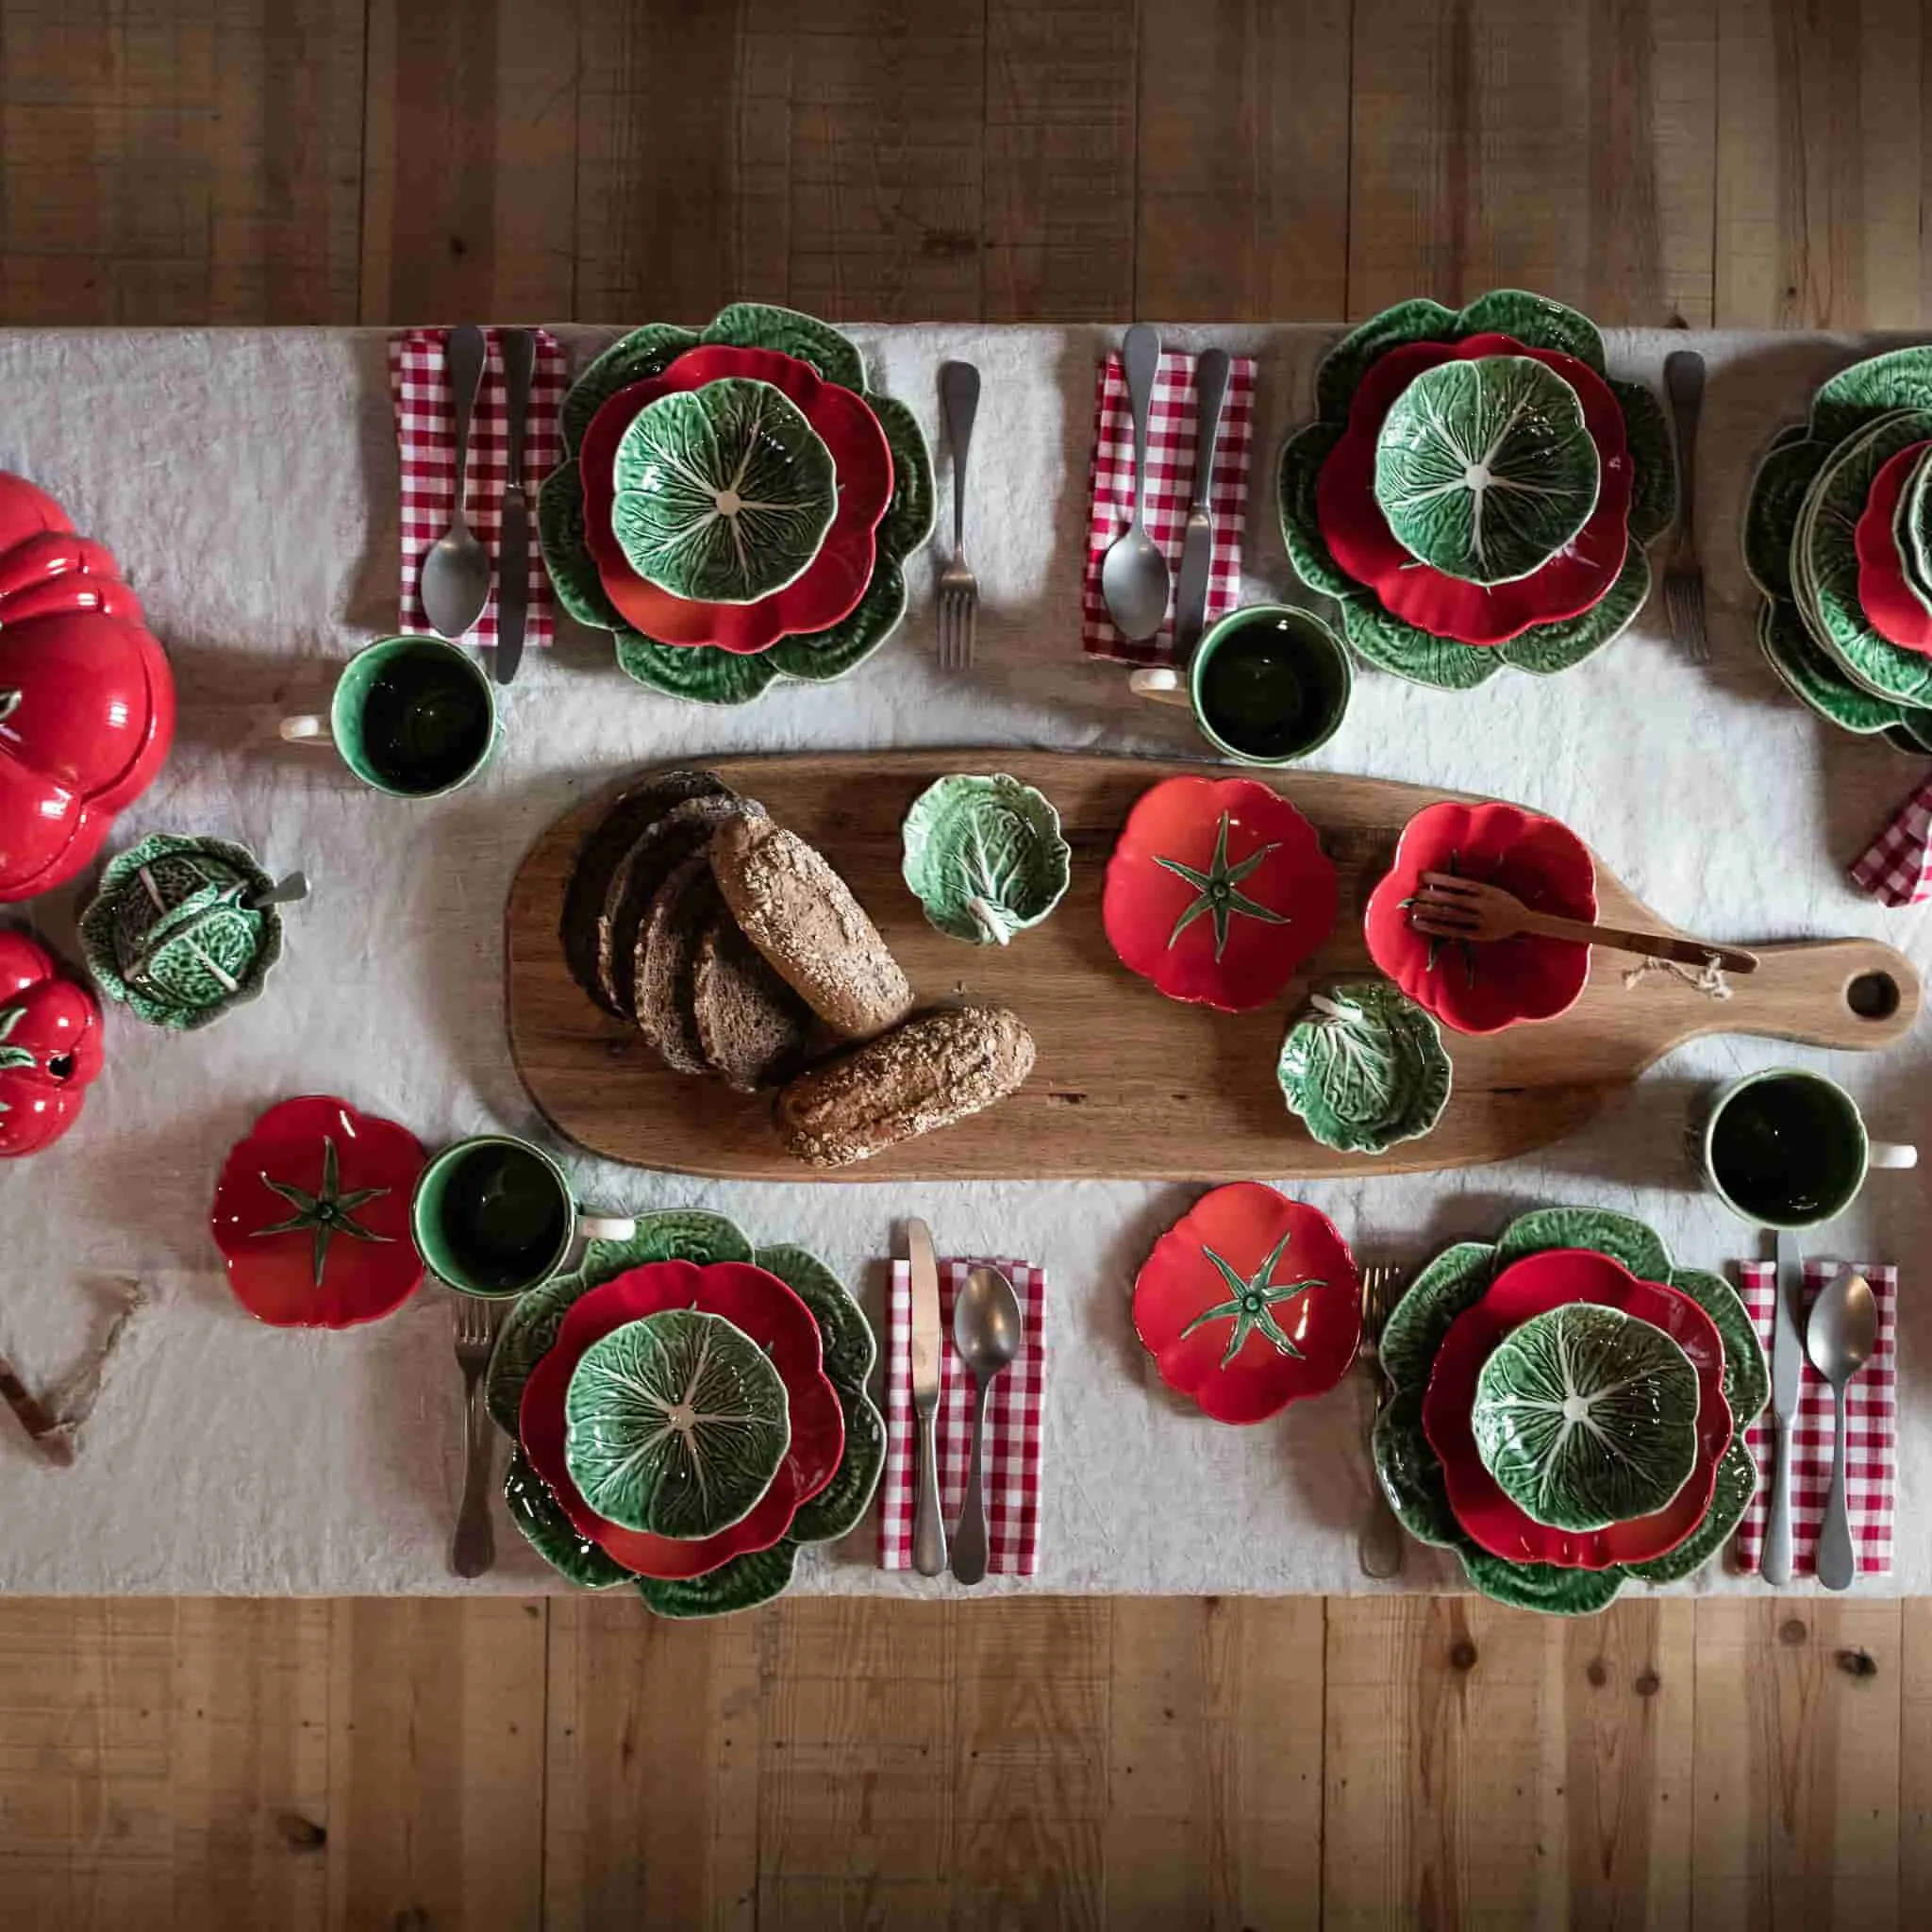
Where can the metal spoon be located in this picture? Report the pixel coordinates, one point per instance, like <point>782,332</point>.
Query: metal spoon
<point>987,1332</point>
<point>456,573</point>
<point>286,890</point>
<point>1839,1338</point>
<point>1133,574</point>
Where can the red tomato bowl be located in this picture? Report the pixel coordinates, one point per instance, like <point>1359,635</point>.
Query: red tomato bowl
<point>1484,987</point>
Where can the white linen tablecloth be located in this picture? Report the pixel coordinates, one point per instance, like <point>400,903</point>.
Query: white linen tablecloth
<point>248,481</point>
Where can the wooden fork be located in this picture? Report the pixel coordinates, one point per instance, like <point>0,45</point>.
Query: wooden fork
<point>1450,908</point>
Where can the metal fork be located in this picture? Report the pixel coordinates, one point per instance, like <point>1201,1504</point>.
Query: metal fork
<point>473,1549</point>
<point>1683,574</point>
<point>1381,1542</point>
<point>959,587</point>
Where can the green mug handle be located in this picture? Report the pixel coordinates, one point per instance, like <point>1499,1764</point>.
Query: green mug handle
<point>606,1227</point>
<point>1891,1154</point>
<point>307,729</point>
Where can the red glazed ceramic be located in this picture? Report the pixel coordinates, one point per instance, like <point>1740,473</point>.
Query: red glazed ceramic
<point>1483,988</point>
<point>837,576</point>
<point>1533,1287</point>
<point>1890,603</point>
<point>87,702</point>
<point>50,1046</point>
<point>1218,890</point>
<point>777,1320</point>
<point>1364,546</point>
<point>1249,1302</point>
<point>311,1215</point>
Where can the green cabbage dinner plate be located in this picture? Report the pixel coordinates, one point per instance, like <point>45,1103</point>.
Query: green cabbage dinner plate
<point>1407,651</point>
<point>704,672</point>
<point>529,1331</point>
<point>1809,626</point>
<point>1457,1280</point>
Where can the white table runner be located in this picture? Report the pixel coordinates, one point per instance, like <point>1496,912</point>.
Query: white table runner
<point>246,479</point>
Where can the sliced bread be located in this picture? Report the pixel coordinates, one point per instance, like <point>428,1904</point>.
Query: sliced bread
<point>666,964</point>
<point>753,1027</point>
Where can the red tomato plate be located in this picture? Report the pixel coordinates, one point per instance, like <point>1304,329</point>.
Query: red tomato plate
<point>837,578</point>
<point>777,1320</point>
<point>1890,603</point>
<point>1357,534</point>
<point>1218,890</point>
<point>1532,1286</point>
<point>1249,1302</point>
<point>1482,988</point>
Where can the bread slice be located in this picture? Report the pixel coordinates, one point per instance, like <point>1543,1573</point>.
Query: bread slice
<point>937,1068</point>
<point>634,809</point>
<point>753,1027</point>
<point>801,915</point>
<point>666,842</point>
<point>667,951</point>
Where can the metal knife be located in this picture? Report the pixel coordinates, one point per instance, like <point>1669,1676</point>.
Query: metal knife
<point>928,1526</point>
<point>514,543</point>
<point>1197,544</point>
<point>1787,1371</point>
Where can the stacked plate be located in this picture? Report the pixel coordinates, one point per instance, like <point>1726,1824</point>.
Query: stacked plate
<point>1476,490</point>
<point>1568,1410</point>
<point>734,505</point>
<point>688,1413</point>
<point>1838,536</point>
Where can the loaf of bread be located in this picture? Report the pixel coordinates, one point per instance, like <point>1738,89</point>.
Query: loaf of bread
<point>801,915</point>
<point>935,1069</point>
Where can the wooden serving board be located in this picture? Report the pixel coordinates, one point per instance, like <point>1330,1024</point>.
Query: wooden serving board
<point>1129,1083</point>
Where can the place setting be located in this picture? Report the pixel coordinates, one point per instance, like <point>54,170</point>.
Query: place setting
<point>740,950</point>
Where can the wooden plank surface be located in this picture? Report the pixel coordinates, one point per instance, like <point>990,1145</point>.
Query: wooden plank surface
<point>1127,1082</point>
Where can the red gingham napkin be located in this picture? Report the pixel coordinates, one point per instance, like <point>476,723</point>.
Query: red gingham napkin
<point>1012,1427</point>
<point>426,438</point>
<point>1170,487</point>
<point>1897,867</point>
<point>1871,1451</point>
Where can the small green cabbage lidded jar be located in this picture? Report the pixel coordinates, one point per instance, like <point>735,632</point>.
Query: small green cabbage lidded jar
<point>985,857</point>
<point>171,933</point>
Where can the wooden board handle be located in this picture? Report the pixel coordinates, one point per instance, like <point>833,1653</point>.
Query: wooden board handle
<point>1857,994</point>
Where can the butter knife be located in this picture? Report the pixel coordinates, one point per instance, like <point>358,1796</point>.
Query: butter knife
<point>928,1526</point>
<point>514,543</point>
<point>1787,1371</point>
<point>1197,544</point>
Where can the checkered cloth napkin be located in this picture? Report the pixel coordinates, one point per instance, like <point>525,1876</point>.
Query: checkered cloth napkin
<point>426,438</point>
<point>1012,1427</point>
<point>1170,488</point>
<point>1872,1468</point>
<point>1897,866</point>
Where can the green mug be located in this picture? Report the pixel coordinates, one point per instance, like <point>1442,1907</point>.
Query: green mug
<point>1267,684</point>
<point>1786,1148</point>
<point>413,717</point>
<point>494,1216</point>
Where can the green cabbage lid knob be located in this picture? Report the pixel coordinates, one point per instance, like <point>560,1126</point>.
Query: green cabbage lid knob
<point>985,857</point>
<point>1587,1416</point>
<point>1486,469</point>
<point>182,929</point>
<point>676,1425</point>
<point>723,494</point>
<point>1365,1068</point>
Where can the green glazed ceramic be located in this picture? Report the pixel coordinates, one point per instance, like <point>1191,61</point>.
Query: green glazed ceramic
<point>723,494</point>
<point>1785,1147</point>
<point>1587,1417</point>
<point>493,1216</point>
<point>1411,1476</point>
<point>1401,648</point>
<point>703,674</point>
<point>984,856</point>
<point>1486,469</point>
<point>1911,530</point>
<point>850,1355</point>
<point>676,1425</point>
<point>1828,560</point>
<point>169,934</point>
<point>413,717</point>
<point>1365,1068</point>
<point>1813,677</point>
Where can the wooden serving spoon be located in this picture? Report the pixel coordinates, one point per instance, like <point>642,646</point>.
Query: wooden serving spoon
<point>1457,909</point>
